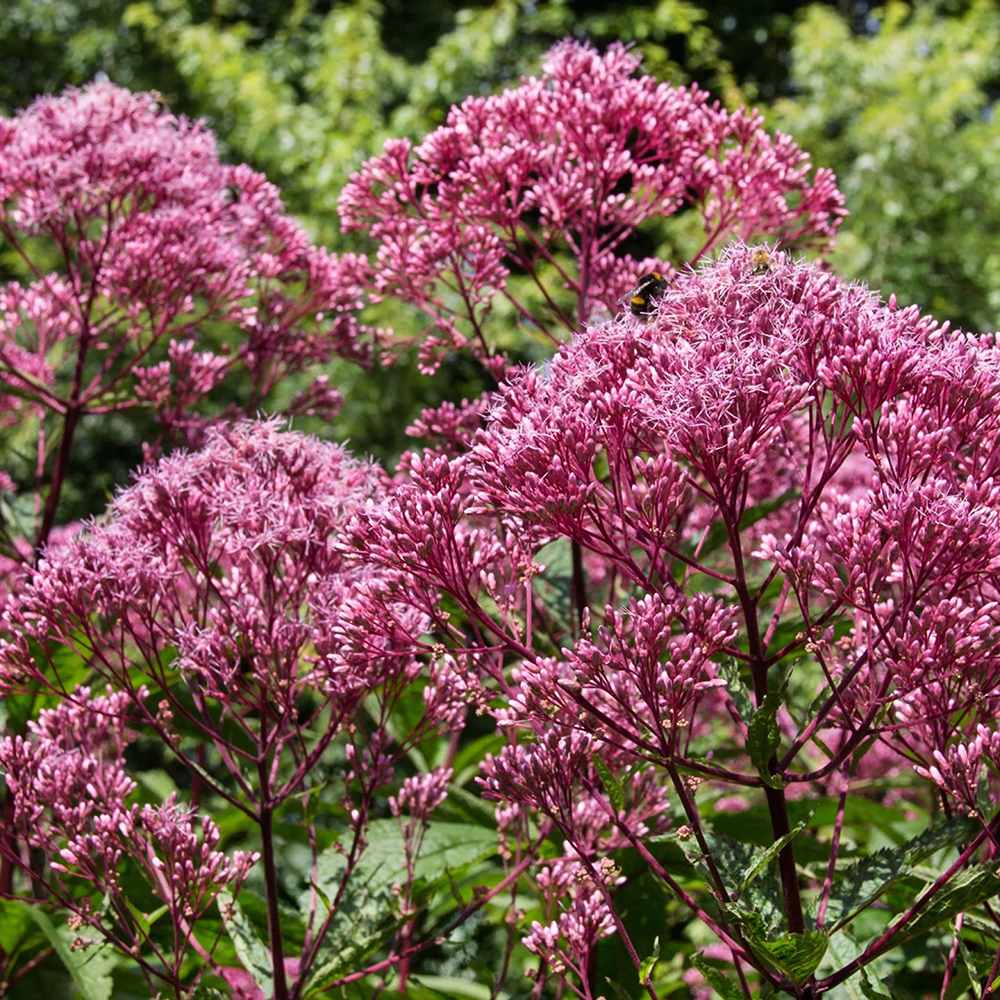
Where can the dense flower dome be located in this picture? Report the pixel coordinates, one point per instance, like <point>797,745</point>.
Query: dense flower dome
<point>851,446</point>
<point>556,173</point>
<point>215,553</point>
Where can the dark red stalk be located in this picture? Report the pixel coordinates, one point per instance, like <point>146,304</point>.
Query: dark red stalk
<point>265,819</point>
<point>775,797</point>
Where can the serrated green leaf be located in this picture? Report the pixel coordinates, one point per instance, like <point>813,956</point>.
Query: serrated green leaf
<point>763,858</point>
<point>368,908</point>
<point>795,955</point>
<point>864,881</point>
<point>764,737</point>
<point>966,890</point>
<point>90,968</point>
<point>843,949</point>
<point>758,903</point>
<point>614,788</point>
<point>715,978</point>
<point>253,953</point>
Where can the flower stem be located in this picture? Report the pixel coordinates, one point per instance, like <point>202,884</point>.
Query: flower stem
<point>273,917</point>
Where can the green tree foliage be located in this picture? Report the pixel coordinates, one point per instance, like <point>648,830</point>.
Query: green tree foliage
<point>907,117</point>
<point>47,45</point>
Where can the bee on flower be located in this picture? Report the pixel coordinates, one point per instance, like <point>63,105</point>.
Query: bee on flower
<point>761,261</point>
<point>647,292</point>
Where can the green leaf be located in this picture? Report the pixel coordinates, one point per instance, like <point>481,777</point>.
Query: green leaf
<point>404,717</point>
<point>157,782</point>
<point>90,968</point>
<point>15,922</point>
<point>468,758</point>
<point>865,816</point>
<point>963,892</point>
<point>145,921</point>
<point>763,737</point>
<point>759,901</point>
<point>842,951</point>
<point>649,963</point>
<point>864,881</point>
<point>763,858</point>
<point>975,974</point>
<point>614,788</point>
<point>368,908</point>
<point>870,986</point>
<point>554,587</point>
<point>253,953</point>
<point>464,807</point>
<point>453,988</point>
<point>729,670</point>
<point>795,955</point>
<point>715,978</point>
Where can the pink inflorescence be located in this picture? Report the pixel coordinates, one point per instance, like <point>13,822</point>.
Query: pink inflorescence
<point>70,797</point>
<point>158,244</point>
<point>766,425</point>
<point>557,173</point>
<point>230,557</point>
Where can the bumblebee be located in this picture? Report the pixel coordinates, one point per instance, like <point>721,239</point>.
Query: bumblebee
<point>761,261</point>
<point>651,287</point>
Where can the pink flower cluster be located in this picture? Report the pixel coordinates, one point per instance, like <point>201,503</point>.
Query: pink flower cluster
<point>553,776</point>
<point>769,430</point>
<point>767,469</point>
<point>555,175</point>
<point>227,555</point>
<point>70,793</point>
<point>638,686</point>
<point>968,771</point>
<point>158,241</point>
<point>155,277</point>
<point>213,598</point>
<point>421,794</point>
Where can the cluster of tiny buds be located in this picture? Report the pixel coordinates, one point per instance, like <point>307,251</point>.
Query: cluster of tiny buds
<point>608,870</point>
<point>692,783</point>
